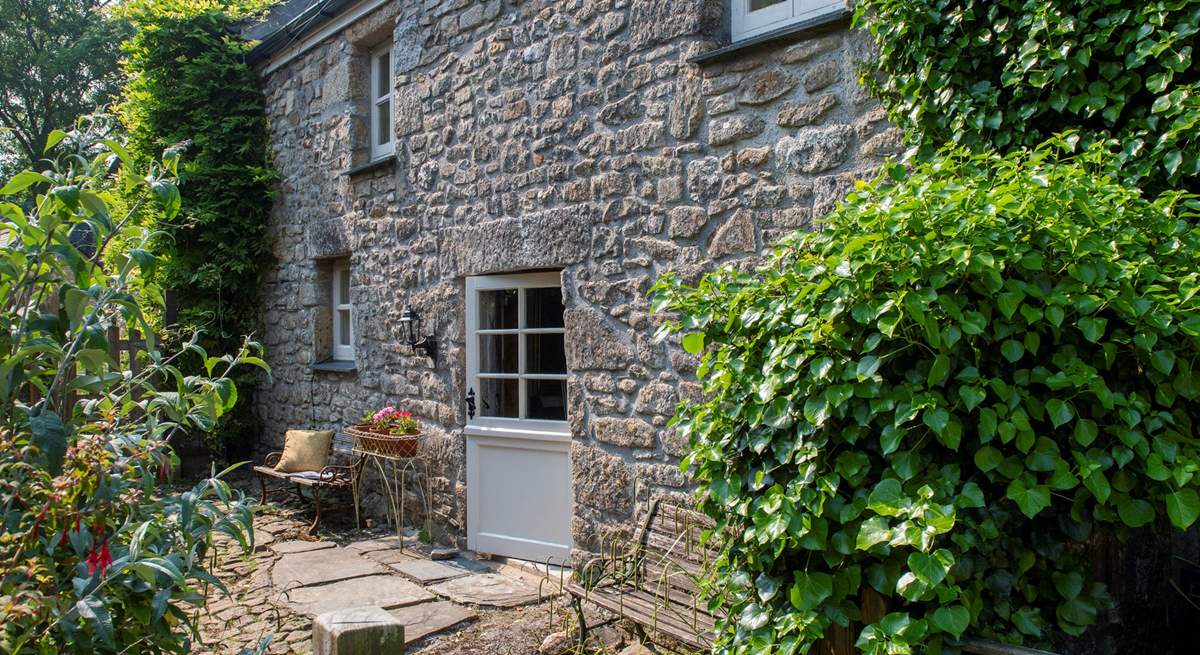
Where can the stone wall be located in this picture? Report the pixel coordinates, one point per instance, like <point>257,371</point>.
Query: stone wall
<point>531,134</point>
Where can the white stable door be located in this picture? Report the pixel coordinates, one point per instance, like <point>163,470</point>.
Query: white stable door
<point>518,440</point>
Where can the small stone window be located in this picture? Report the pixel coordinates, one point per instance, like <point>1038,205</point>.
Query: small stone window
<point>749,18</point>
<point>341,312</point>
<point>380,103</point>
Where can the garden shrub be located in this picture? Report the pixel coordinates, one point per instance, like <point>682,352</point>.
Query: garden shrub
<point>98,552</point>
<point>1010,73</point>
<point>973,369</point>
<point>189,83</point>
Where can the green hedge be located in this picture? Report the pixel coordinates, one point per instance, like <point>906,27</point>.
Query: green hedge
<point>189,83</point>
<point>1008,73</point>
<point>943,395</point>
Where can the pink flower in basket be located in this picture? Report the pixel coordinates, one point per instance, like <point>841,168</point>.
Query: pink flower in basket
<point>391,421</point>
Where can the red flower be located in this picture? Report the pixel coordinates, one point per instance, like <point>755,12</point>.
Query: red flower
<point>62,540</point>
<point>99,558</point>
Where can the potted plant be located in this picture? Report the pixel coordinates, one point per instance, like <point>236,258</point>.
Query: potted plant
<point>389,432</point>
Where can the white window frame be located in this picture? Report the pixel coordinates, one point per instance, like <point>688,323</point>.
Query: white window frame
<point>338,304</point>
<point>499,426</point>
<point>375,100</point>
<point>745,23</point>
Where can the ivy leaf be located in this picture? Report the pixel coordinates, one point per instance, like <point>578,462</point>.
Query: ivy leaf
<point>1092,328</point>
<point>971,396</point>
<point>932,568</point>
<point>1031,500</point>
<point>936,419</point>
<point>754,616</point>
<point>1012,350</point>
<point>810,589</point>
<point>953,620</point>
<point>1060,412</point>
<point>1085,432</point>
<point>988,458</point>
<point>867,366</point>
<point>1183,508</point>
<point>1135,512</point>
<point>694,343</point>
<point>767,587</point>
<point>938,370</point>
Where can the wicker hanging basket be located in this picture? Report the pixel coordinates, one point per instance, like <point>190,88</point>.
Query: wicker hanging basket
<point>386,445</point>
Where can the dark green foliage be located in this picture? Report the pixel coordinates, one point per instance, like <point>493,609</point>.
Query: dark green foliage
<point>1009,73</point>
<point>189,82</point>
<point>942,396</point>
<point>58,62</point>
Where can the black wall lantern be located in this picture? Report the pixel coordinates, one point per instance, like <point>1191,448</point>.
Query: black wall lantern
<point>410,320</point>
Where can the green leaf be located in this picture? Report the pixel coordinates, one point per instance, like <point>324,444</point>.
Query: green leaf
<point>1183,508</point>
<point>53,139</point>
<point>931,568</point>
<point>1059,412</point>
<point>693,342</point>
<point>988,458</point>
<point>810,589</point>
<point>22,181</point>
<point>938,370</point>
<point>953,619</point>
<point>971,396</point>
<point>1092,328</point>
<point>867,366</point>
<point>1135,512</point>
<point>936,419</point>
<point>885,497</point>
<point>1031,500</point>
<point>1012,350</point>
<point>1085,432</point>
<point>50,436</point>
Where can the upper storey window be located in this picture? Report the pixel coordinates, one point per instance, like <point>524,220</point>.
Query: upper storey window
<point>753,17</point>
<point>382,139</point>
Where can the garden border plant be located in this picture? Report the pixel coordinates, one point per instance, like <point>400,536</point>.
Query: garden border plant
<point>943,395</point>
<point>98,554</point>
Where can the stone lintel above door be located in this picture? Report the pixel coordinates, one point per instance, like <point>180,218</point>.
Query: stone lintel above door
<point>552,238</point>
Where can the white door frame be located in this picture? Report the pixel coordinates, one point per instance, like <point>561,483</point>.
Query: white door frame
<point>490,437</point>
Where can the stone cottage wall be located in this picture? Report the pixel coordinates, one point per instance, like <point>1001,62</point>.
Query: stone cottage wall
<point>532,134</point>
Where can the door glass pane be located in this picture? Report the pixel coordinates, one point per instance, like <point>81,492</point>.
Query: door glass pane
<point>383,74</point>
<point>545,354</point>
<point>755,5</point>
<point>498,309</point>
<point>543,308</point>
<point>383,128</point>
<point>343,327</point>
<point>547,399</point>
<point>343,287</point>
<point>499,398</point>
<point>498,353</point>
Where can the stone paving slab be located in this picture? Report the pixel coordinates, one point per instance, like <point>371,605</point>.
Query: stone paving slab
<point>488,589</point>
<point>378,543</point>
<point>427,618</point>
<point>300,546</point>
<point>428,571</point>
<point>386,591</point>
<point>262,538</point>
<point>320,567</point>
<point>390,556</point>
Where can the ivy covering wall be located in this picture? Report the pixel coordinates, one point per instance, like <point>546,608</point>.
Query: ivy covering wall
<point>189,83</point>
<point>1010,73</point>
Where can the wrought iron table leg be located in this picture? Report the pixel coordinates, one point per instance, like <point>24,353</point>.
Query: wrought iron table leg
<point>312,529</point>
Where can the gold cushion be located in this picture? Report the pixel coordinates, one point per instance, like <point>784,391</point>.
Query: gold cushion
<point>304,450</point>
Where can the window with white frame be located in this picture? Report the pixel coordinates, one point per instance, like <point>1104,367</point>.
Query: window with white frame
<point>516,354</point>
<point>381,104</point>
<point>753,17</point>
<point>343,313</point>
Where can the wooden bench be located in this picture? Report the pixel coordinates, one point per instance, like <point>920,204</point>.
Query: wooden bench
<point>655,584</point>
<point>327,479</point>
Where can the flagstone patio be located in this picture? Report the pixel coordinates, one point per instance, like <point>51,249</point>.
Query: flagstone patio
<point>457,606</point>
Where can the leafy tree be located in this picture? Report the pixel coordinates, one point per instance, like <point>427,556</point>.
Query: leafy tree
<point>97,555</point>
<point>941,396</point>
<point>188,82</point>
<point>59,60</point>
<point>1008,74</point>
